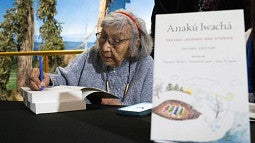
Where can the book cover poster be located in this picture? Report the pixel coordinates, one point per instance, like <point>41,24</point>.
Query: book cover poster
<point>200,80</point>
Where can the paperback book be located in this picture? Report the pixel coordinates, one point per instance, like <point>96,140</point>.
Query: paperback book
<point>200,91</point>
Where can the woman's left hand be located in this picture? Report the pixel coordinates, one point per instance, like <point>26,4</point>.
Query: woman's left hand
<point>110,101</point>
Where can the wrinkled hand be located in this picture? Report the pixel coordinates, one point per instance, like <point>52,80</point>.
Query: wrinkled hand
<point>34,82</point>
<point>110,101</point>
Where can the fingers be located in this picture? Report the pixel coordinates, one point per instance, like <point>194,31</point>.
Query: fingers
<point>110,101</point>
<point>46,81</point>
<point>34,86</point>
<point>34,81</point>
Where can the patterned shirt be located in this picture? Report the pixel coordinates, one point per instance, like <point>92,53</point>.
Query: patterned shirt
<point>88,70</point>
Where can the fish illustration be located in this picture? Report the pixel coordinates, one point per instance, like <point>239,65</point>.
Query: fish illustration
<point>176,110</point>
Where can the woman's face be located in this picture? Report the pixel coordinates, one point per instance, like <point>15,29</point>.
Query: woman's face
<point>114,45</point>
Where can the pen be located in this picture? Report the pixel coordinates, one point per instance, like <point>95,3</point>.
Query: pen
<point>41,70</point>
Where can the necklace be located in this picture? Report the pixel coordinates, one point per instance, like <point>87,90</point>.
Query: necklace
<point>107,85</point>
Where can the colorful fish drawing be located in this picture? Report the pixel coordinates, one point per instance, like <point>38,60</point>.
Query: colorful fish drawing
<point>176,110</point>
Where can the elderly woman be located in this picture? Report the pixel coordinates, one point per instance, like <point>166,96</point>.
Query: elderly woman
<point>119,63</point>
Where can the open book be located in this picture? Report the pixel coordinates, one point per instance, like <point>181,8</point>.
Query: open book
<point>62,98</point>
<point>95,95</point>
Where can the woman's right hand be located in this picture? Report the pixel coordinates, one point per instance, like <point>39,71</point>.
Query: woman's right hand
<point>34,82</point>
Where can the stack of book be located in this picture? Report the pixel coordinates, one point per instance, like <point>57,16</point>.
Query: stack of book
<point>62,98</point>
<point>54,99</point>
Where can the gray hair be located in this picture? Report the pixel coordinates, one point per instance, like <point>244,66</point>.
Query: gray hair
<point>139,31</point>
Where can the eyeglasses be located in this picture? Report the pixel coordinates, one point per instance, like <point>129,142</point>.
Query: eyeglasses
<point>114,42</point>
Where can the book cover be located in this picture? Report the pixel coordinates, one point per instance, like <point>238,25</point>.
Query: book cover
<point>95,95</point>
<point>200,91</point>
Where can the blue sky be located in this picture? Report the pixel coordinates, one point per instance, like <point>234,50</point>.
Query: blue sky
<point>79,17</point>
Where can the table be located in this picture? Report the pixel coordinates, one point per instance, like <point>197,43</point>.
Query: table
<point>99,124</point>
<point>96,124</point>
